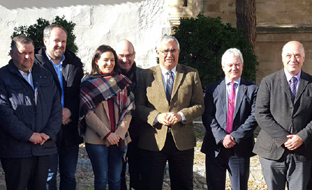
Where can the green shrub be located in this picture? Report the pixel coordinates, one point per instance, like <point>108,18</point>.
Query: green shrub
<point>35,32</point>
<point>203,40</point>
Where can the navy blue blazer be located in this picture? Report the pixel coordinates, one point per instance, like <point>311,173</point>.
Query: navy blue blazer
<point>214,118</point>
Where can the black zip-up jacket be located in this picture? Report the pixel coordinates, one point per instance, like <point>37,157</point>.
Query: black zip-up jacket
<point>72,75</point>
<point>24,110</point>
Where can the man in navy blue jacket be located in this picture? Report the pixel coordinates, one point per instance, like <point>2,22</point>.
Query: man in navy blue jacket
<point>31,117</point>
<point>229,119</point>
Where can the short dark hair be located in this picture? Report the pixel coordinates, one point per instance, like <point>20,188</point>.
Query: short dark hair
<point>23,39</point>
<point>98,52</point>
<point>47,30</point>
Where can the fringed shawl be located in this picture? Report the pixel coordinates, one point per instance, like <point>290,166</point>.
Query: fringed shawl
<point>99,88</point>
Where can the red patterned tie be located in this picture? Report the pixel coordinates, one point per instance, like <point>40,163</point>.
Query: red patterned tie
<point>231,108</point>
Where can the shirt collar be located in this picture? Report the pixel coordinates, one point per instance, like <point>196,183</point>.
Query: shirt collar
<point>51,60</point>
<point>23,73</point>
<point>289,76</point>
<point>227,81</point>
<point>164,70</point>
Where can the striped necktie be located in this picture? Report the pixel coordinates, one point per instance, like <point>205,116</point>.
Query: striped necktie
<point>169,84</point>
<point>292,85</point>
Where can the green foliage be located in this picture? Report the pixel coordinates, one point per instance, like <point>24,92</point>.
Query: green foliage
<point>203,40</point>
<point>35,32</point>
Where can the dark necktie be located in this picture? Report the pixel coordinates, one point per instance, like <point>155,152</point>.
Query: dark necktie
<point>231,108</point>
<point>169,84</point>
<point>292,85</point>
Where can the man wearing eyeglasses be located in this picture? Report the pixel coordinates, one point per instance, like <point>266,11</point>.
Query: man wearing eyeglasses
<point>168,98</point>
<point>126,55</point>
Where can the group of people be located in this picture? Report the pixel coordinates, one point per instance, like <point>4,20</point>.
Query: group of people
<point>281,106</point>
<point>144,117</point>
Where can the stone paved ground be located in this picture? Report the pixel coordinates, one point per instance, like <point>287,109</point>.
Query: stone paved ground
<point>84,174</point>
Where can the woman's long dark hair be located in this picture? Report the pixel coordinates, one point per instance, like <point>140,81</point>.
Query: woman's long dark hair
<point>97,55</point>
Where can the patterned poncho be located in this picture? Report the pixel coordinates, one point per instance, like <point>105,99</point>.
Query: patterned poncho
<point>99,88</point>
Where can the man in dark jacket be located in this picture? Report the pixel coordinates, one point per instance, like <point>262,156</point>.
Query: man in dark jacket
<point>31,116</point>
<point>126,55</point>
<point>67,72</point>
<point>229,119</point>
<point>284,114</point>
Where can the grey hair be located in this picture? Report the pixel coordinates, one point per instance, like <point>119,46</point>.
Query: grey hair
<point>231,52</point>
<point>47,30</point>
<point>165,39</point>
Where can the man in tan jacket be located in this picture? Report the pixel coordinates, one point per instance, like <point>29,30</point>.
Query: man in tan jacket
<point>168,97</point>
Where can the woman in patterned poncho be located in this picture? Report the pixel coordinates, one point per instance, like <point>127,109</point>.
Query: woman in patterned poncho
<point>105,113</point>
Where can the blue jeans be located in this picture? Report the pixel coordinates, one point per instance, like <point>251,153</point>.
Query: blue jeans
<point>67,161</point>
<point>106,164</point>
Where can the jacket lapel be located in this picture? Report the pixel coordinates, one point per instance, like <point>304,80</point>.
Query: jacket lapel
<point>177,80</point>
<point>282,80</point>
<point>240,94</point>
<point>302,85</point>
<point>159,84</point>
<point>222,95</point>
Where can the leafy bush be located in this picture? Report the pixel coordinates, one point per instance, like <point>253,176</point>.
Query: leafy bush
<point>203,40</point>
<point>35,32</point>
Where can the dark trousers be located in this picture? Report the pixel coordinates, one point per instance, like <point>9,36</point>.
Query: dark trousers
<point>180,167</point>
<point>66,160</point>
<point>135,165</point>
<point>238,168</point>
<point>310,180</point>
<point>26,173</point>
<point>286,171</point>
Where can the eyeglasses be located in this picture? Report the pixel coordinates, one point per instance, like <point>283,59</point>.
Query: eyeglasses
<point>127,56</point>
<point>166,52</point>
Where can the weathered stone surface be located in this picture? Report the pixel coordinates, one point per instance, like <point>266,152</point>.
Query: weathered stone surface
<point>142,22</point>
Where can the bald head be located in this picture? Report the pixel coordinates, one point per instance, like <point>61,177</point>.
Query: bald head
<point>126,55</point>
<point>291,45</point>
<point>293,56</point>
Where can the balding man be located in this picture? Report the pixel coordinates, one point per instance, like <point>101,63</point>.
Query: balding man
<point>284,113</point>
<point>126,55</point>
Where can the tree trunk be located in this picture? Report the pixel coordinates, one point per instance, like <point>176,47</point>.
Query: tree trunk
<point>246,19</point>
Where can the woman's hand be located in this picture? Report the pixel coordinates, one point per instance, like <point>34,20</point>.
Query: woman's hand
<point>113,138</point>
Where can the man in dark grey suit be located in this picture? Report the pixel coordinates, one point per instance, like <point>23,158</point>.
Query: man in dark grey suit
<point>229,119</point>
<point>284,113</point>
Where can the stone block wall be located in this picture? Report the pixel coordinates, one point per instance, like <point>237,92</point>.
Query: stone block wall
<point>277,12</point>
<point>278,22</point>
<point>221,8</point>
<point>143,23</point>
<point>269,44</point>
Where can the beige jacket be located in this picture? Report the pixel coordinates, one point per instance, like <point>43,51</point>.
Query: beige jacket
<point>98,124</point>
<point>186,97</point>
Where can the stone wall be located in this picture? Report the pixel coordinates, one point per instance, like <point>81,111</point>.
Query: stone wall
<point>142,22</point>
<point>278,22</point>
<point>277,12</point>
<point>221,8</point>
<point>270,41</point>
